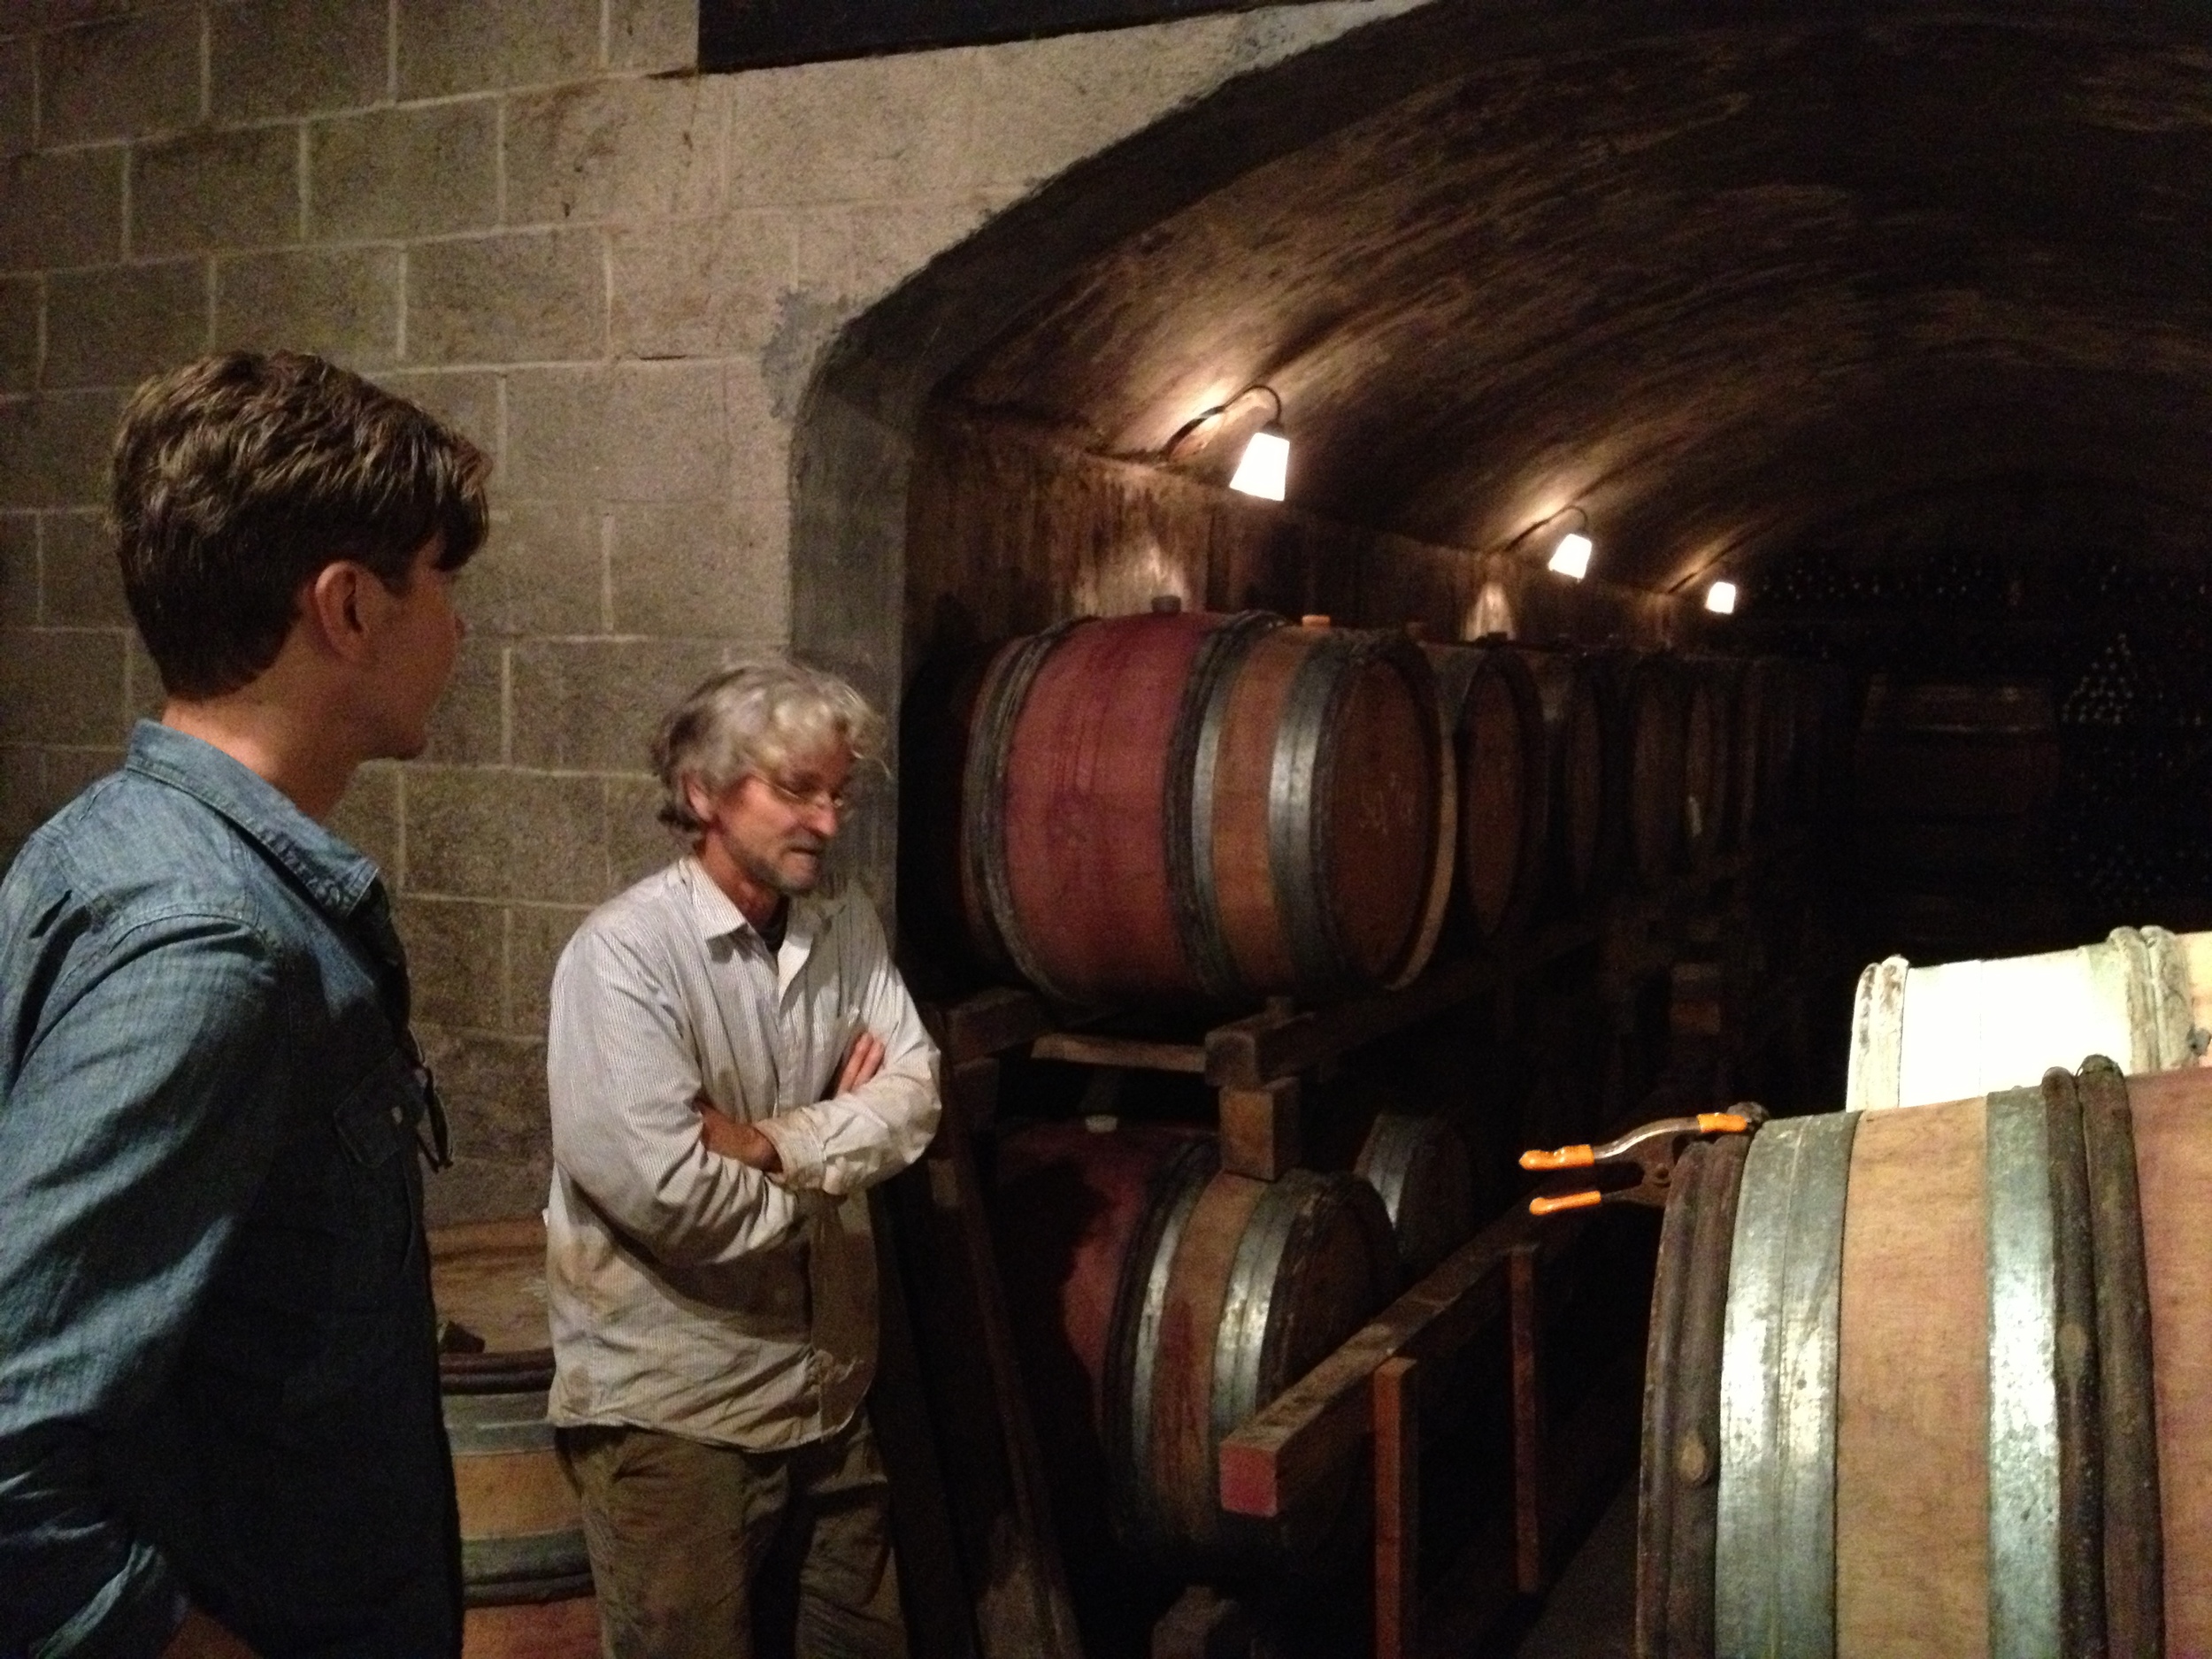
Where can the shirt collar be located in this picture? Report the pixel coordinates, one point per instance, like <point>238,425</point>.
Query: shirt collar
<point>718,914</point>
<point>338,875</point>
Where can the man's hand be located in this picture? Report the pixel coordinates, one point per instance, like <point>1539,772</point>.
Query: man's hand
<point>200,1637</point>
<point>724,1136</point>
<point>863,1062</point>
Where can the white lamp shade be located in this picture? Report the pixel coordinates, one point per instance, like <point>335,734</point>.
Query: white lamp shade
<point>1571,558</point>
<point>1721,598</point>
<point>1265,467</point>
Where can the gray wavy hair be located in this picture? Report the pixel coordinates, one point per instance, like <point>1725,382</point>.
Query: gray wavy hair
<point>757,717</point>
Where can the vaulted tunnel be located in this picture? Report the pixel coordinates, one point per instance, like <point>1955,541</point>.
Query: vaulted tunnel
<point>1901,320</point>
<point>1732,286</point>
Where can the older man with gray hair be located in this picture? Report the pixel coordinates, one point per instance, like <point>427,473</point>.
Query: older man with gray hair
<point>733,1060</point>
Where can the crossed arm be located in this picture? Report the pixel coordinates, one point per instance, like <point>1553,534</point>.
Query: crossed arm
<point>691,1184</point>
<point>725,1136</point>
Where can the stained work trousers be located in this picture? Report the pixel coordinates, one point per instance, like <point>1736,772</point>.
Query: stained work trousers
<point>713,1552</point>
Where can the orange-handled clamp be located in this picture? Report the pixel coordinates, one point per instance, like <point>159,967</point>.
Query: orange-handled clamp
<point>1652,1149</point>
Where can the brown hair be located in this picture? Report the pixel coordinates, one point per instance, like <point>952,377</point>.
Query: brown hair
<point>239,477</point>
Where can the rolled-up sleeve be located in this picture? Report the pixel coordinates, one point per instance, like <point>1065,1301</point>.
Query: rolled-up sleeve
<point>139,1121</point>
<point>623,1078</point>
<point>850,1141</point>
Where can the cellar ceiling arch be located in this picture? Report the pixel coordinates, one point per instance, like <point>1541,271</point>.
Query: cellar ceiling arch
<point>1733,279</point>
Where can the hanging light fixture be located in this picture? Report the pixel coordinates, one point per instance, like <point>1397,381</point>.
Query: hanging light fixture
<point>1720,598</point>
<point>1571,553</point>
<point>1263,469</point>
<point>1571,558</point>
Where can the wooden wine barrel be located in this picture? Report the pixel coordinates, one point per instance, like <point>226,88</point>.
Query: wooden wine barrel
<point>527,1579</point>
<point>1492,708</point>
<point>1766,746</point>
<point>1935,1383</point>
<point>1954,782</point>
<point>1419,1167</point>
<point>1826,721</point>
<point>1949,1030</point>
<point>1419,1162</point>
<point>1652,694</point>
<point>1709,758</point>
<point>1177,807</point>
<point>1584,753</point>
<point>1183,1299</point>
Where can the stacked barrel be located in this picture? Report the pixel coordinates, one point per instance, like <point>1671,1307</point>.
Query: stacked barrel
<point>1168,1300</point>
<point>1198,809</point>
<point>1956,787</point>
<point>1193,812</point>
<point>1183,808</point>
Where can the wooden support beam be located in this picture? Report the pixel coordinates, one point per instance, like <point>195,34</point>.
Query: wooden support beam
<point>1254,1052</point>
<point>1259,1131</point>
<point>1087,1048</point>
<point>993,1477</point>
<point>972,1090</point>
<point>1523,1320</point>
<point>1310,1431</point>
<point>988,1023</point>
<point>1397,1510</point>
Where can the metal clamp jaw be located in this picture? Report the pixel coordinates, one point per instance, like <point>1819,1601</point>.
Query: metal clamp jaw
<point>1650,1152</point>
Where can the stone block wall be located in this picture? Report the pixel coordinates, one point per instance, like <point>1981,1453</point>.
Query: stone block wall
<point>616,275</point>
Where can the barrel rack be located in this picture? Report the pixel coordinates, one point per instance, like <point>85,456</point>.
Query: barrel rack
<point>1368,1395</point>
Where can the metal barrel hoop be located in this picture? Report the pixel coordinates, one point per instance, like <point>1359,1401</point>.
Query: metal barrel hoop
<point>1436,903</point>
<point>1189,826</point>
<point>2080,1436</point>
<point>983,792</point>
<point>2026,1591</point>
<point>2133,1535</point>
<point>1695,1449</point>
<point>1775,1548</point>
<point>1133,1342</point>
<point>1298,838</point>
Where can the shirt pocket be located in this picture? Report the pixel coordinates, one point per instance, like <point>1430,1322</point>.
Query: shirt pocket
<point>326,1289</point>
<point>374,1191</point>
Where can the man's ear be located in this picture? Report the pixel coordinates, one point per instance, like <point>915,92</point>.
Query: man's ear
<point>696,797</point>
<point>335,605</point>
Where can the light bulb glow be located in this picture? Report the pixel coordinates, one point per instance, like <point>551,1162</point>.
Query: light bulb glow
<point>1265,468</point>
<point>1720,598</point>
<point>1571,558</point>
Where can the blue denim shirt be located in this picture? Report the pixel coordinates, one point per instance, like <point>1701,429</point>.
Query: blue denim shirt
<point>218,1376</point>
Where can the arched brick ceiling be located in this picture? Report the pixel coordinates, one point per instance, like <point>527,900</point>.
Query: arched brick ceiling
<point>1728,283</point>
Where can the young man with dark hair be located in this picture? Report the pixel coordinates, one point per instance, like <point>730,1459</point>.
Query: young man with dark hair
<point>219,1425</point>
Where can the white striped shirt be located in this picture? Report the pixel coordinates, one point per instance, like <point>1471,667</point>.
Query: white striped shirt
<point>688,1291</point>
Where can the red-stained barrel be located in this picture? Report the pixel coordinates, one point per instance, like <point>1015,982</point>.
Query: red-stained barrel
<point>1158,1302</point>
<point>1172,808</point>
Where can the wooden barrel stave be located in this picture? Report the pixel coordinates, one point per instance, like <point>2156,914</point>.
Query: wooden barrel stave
<point>1492,709</point>
<point>1078,877</point>
<point>1711,760</point>
<point>2173,1163</point>
<point>1582,747</point>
